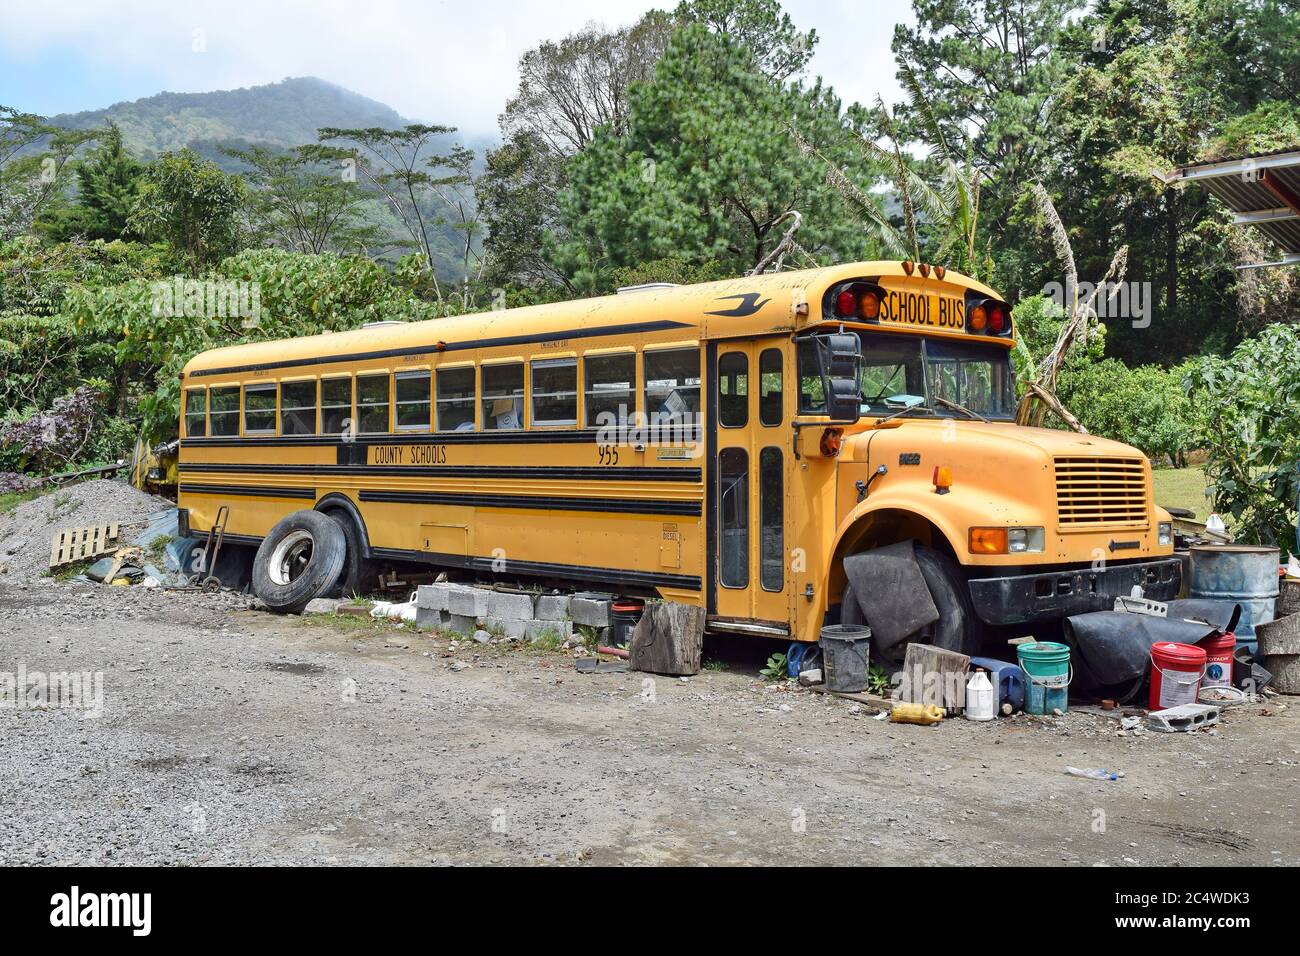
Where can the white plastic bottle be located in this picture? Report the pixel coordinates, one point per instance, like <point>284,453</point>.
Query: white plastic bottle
<point>981,699</point>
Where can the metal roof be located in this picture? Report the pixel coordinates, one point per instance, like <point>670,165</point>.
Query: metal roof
<point>1263,191</point>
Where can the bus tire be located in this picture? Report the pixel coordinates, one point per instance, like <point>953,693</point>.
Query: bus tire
<point>300,559</point>
<point>359,572</point>
<point>957,628</point>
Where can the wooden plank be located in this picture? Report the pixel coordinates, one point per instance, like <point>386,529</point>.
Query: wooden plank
<point>668,639</point>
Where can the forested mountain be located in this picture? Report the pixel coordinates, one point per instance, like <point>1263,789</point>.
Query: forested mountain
<point>287,114</point>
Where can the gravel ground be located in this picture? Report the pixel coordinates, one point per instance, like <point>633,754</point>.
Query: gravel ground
<point>233,736</point>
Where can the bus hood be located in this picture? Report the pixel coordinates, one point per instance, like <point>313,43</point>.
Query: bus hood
<point>991,443</point>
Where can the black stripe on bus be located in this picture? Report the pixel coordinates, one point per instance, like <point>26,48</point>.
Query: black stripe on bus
<point>433,349</point>
<point>254,491</point>
<point>558,436</point>
<point>594,472</point>
<point>541,569</point>
<point>538,502</point>
<point>684,582</point>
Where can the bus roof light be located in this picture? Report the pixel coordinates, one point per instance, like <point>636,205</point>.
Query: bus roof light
<point>997,318</point>
<point>940,272</point>
<point>870,305</point>
<point>978,318</point>
<point>925,270</point>
<point>908,266</point>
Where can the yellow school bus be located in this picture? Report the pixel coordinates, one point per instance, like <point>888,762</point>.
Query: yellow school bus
<point>726,445</point>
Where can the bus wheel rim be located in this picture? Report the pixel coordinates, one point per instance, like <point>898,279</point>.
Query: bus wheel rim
<point>290,557</point>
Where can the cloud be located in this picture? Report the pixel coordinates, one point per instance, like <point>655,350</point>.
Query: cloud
<point>439,62</point>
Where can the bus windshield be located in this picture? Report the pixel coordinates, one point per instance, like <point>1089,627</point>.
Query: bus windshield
<point>899,369</point>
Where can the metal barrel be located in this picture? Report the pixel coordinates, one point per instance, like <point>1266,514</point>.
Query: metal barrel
<point>1246,574</point>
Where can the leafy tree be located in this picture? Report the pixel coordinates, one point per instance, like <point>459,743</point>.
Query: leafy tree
<point>34,158</point>
<point>302,200</point>
<point>779,50</point>
<point>400,164</point>
<point>108,187</point>
<point>1248,423</point>
<point>193,205</point>
<point>707,171</point>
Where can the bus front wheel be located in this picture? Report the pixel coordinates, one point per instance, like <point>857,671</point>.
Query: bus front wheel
<point>957,628</point>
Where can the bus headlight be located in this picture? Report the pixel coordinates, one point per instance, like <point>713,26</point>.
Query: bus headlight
<point>1005,540</point>
<point>1165,533</point>
<point>1024,539</point>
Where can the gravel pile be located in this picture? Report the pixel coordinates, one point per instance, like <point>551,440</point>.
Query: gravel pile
<point>25,531</point>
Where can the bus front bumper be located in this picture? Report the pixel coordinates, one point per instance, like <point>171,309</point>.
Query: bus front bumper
<point>1025,598</point>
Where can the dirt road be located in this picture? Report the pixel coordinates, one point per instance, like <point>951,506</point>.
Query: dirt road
<point>233,736</point>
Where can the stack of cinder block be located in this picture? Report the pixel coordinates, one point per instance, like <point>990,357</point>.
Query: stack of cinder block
<point>465,609</point>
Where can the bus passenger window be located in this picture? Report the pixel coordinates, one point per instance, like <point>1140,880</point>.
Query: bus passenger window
<point>555,392</point>
<point>672,384</point>
<point>223,410</point>
<point>335,404</point>
<point>196,412</point>
<point>298,408</point>
<point>733,507</point>
<point>771,389</point>
<point>609,382</point>
<point>413,400</point>
<point>456,400</point>
<point>733,390</point>
<point>259,408</point>
<point>372,404</point>
<point>771,520</point>
<point>503,396</point>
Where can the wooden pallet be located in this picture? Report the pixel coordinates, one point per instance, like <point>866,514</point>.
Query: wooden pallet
<point>81,543</point>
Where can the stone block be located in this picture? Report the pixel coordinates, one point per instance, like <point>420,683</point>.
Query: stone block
<point>551,607</point>
<point>590,612</point>
<point>468,602</point>
<point>510,607</point>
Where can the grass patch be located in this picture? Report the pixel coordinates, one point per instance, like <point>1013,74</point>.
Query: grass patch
<point>1182,488</point>
<point>66,572</point>
<point>12,499</point>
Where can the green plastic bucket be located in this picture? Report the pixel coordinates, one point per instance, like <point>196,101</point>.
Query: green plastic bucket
<point>1047,669</point>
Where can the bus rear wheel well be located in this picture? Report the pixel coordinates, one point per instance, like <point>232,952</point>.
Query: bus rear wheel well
<point>335,505</point>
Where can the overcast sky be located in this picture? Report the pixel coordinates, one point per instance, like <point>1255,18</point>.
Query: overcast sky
<point>430,60</point>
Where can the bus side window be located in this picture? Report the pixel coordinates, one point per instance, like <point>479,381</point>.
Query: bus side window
<point>456,399</point>
<point>733,390</point>
<point>672,383</point>
<point>259,408</point>
<point>771,389</point>
<point>298,408</point>
<point>555,391</point>
<point>335,404</point>
<point>609,384</point>
<point>733,498</point>
<point>812,400</point>
<point>503,396</point>
<point>413,400</point>
<point>372,404</point>
<point>196,412</point>
<point>223,410</point>
<point>771,519</point>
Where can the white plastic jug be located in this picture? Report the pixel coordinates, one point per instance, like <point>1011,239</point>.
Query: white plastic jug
<point>981,700</point>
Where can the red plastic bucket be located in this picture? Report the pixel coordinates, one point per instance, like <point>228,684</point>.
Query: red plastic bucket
<point>1176,672</point>
<point>1218,659</point>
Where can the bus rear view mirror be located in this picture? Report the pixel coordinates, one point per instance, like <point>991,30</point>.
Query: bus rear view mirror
<point>841,363</point>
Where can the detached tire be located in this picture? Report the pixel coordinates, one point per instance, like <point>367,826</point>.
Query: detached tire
<point>957,629</point>
<point>299,560</point>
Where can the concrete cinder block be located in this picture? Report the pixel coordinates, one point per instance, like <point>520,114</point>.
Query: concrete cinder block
<point>510,607</point>
<point>551,607</point>
<point>509,628</point>
<point>535,630</point>
<point>433,597</point>
<point>428,619</point>
<point>589,611</point>
<point>468,602</point>
<point>462,623</point>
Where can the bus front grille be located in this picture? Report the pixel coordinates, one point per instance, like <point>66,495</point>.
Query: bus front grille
<point>1095,493</point>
